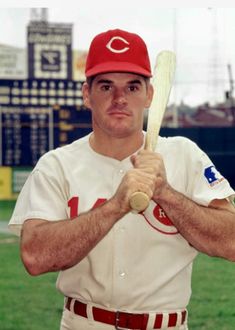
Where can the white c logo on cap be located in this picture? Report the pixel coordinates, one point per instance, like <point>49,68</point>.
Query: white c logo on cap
<point>109,45</point>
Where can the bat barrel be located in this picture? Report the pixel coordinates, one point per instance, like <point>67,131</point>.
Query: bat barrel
<point>162,81</point>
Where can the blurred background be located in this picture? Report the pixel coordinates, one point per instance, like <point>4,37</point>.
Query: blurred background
<point>42,57</point>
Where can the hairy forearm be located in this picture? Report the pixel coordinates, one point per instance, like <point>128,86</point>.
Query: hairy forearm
<point>210,230</point>
<point>53,246</point>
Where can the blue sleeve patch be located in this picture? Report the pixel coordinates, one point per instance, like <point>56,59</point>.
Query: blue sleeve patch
<point>212,176</point>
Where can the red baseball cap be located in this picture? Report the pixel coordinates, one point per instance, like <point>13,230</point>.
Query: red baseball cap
<point>118,51</point>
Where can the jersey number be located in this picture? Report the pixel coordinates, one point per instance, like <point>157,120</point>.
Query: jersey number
<point>73,204</point>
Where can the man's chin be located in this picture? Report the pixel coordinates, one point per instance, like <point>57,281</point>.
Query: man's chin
<point>121,133</point>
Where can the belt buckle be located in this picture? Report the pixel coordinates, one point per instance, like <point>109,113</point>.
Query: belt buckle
<point>117,319</point>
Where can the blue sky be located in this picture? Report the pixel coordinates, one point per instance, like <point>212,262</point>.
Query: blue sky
<point>203,38</point>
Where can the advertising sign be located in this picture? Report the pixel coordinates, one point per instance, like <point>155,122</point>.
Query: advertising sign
<point>12,63</point>
<point>19,176</point>
<point>79,62</point>
<point>49,50</point>
<point>5,182</point>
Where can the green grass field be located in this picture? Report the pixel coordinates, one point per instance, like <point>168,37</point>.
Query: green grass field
<point>32,303</point>
<point>212,305</point>
<point>26,303</point>
<point>6,208</point>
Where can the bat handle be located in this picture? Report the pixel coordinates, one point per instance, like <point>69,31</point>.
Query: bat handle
<point>139,201</point>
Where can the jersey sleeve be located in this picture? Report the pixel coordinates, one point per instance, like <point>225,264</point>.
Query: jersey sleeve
<point>43,196</point>
<point>205,183</point>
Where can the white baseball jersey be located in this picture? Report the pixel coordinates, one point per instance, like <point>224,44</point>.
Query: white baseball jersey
<point>143,263</point>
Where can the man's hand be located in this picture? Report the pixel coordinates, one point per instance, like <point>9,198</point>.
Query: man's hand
<point>152,163</point>
<point>148,176</point>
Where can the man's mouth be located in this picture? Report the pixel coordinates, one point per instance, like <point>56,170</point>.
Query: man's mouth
<point>119,113</point>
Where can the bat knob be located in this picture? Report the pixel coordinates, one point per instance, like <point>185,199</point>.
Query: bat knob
<point>139,201</point>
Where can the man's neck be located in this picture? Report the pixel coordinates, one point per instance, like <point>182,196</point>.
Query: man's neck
<point>117,148</point>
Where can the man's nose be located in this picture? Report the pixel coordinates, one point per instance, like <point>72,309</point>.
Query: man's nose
<point>119,97</point>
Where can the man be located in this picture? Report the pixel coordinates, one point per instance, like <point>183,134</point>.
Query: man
<point>119,269</point>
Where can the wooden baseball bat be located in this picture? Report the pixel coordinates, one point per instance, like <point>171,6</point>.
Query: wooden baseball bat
<point>162,81</point>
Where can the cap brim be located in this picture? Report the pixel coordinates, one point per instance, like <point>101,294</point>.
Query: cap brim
<point>117,67</point>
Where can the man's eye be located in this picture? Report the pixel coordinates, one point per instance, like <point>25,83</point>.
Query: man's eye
<point>133,88</point>
<point>105,87</point>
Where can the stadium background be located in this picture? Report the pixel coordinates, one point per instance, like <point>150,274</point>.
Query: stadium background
<point>41,108</point>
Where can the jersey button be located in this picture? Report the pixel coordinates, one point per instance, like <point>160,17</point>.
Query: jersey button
<point>121,171</point>
<point>122,273</point>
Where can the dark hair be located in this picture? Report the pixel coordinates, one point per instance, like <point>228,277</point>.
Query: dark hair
<point>90,80</point>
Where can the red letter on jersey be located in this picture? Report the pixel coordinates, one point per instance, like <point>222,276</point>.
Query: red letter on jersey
<point>73,205</point>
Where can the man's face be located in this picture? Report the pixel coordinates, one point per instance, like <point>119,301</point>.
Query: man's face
<point>117,102</point>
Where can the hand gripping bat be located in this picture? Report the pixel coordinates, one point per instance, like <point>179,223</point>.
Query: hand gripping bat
<point>162,80</point>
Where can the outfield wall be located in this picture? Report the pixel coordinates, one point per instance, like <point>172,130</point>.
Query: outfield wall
<point>218,143</point>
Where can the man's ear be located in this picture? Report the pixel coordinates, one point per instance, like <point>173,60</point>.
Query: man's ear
<point>85,94</point>
<point>150,93</point>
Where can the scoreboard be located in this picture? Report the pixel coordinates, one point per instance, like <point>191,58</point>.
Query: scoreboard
<point>44,109</point>
<point>40,92</point>
<point>37,116</point>
<point>49,50</point>
<point>25,134</point>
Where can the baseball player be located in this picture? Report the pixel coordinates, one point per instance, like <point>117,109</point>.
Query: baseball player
<point>119,269</point>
